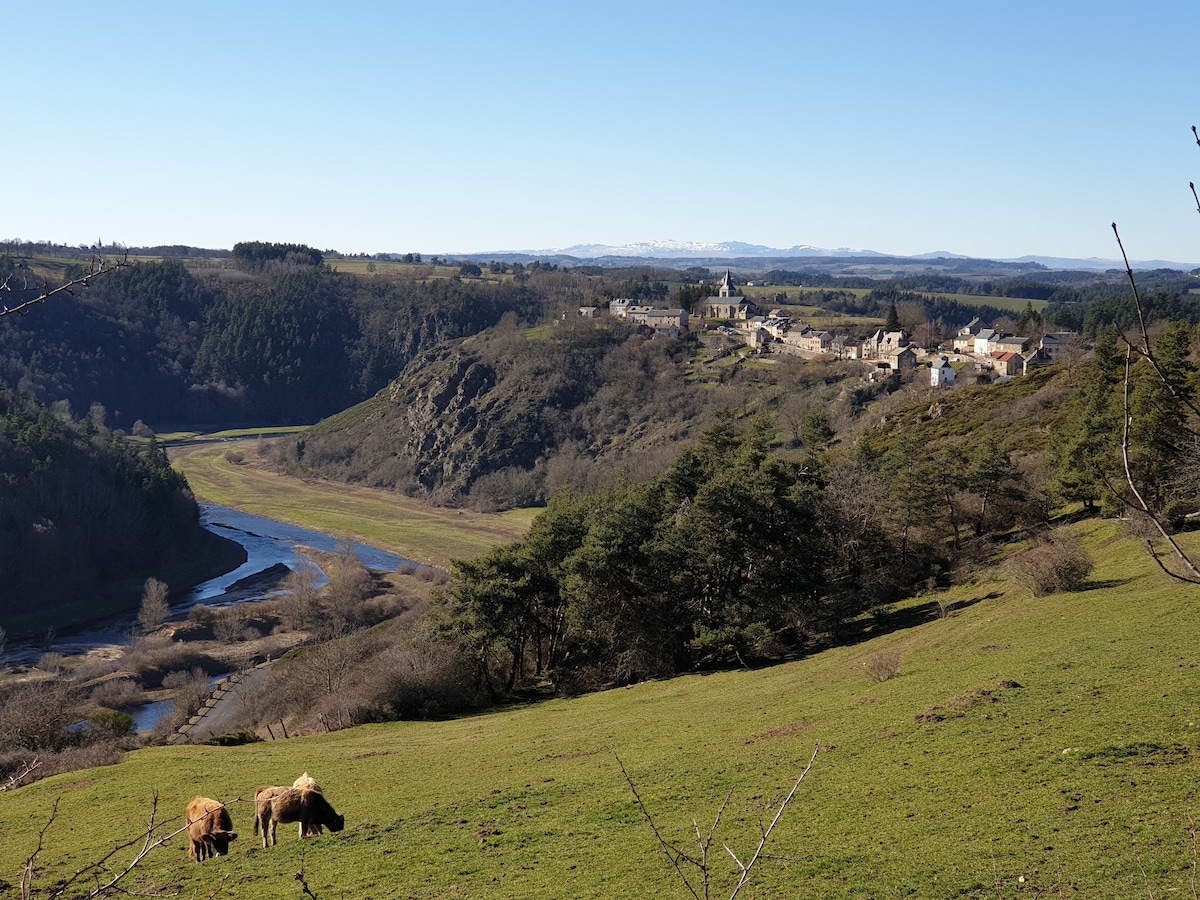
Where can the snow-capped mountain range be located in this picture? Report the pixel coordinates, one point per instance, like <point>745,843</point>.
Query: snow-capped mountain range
<point>711,250</point>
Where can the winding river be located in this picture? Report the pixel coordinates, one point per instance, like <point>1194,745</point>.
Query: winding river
<point>268,543</point>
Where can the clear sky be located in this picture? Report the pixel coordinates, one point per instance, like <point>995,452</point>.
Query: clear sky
<point>993,129</point>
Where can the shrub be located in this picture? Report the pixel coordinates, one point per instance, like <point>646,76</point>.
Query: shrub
<point>201,614</point>
<point>884,665</point>
<point>233,739</point>
<point>109,725</point>
<point>117,693</point>
<point>1055,564</point>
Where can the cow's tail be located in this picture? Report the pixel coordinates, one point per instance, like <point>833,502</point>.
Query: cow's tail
<point>256,793</point>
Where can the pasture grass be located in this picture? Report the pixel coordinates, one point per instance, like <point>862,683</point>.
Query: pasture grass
<point>166,439</point>
<point>1025,747</point>
<point>1011,304</point>
<point>223,474</point>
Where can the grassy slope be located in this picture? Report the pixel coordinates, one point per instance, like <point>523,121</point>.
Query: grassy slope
<point>1081,777</point>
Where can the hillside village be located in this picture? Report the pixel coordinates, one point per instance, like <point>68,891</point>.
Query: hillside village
<point>977,351</point>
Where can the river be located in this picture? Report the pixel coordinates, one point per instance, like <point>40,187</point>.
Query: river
<point>268,543</point>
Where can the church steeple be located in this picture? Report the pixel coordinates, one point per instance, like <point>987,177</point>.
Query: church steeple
<point>726,285</point>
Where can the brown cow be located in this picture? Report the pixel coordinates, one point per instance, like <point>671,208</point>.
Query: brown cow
<point>265,794</point>
<point>307,782</point>
<point>209,828</point>
<point>309,808</point>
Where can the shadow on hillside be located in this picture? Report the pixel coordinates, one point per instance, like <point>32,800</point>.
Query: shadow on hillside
<point>1098,585</point>
<point>867,627</point>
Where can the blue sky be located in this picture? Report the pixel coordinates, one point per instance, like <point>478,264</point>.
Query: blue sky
<point>986,129</point>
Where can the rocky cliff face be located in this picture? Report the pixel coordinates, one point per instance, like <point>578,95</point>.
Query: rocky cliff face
<point>508,406</point>
<point>447,411</point>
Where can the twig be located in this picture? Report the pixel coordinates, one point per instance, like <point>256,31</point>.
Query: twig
<point>1145,877</point>
<point>14,781</point>
<point>767,834</point>
<point>99,266</point>
<point>1192,832</point>
<point>300,878</point>
<point>1145,350</point>
<point>673,853</point>
<point>1142,501</point>
<point>100,868</point>
<point>1146,353</point>
<point>677,856</point>
<point>27,871</point>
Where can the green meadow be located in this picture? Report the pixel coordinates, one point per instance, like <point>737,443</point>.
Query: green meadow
<point>1012,304</point>
<point>1025,747</point>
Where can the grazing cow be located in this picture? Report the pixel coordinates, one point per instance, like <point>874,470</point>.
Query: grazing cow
<point>209,828</point>
<point>264,795</point>
<point>309,808</point>
<point>307,782</point>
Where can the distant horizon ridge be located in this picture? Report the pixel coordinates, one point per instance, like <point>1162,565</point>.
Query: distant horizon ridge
<point>674,249</point>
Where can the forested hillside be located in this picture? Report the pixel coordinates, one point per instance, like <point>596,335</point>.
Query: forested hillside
<point>80,508</point>
<point>280,343</point>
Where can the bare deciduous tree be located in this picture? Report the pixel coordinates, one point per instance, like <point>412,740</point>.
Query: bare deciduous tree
<point>154,609</point>
<point>298,591</point>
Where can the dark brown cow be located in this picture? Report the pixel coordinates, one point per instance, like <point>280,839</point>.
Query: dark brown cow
<point>309,808</point>
<point>209,828</point>
<point>309,783</point>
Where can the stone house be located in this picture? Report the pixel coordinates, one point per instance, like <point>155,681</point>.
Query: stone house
<point>941,374</point>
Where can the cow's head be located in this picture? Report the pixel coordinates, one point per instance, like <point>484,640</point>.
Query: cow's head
<point>218,842</point>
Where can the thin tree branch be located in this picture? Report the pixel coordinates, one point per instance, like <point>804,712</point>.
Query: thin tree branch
<point>1146,353</point>
<point>1192,874</point>
<point>778,814</point>
<point>673,853</point>
<point>98,266</point>
<point>677,856</point>
<point>1145,350</point>
<point>14,780</point>
<point>99,869</point>
<point>27,871</point>
<point>1129,479</point>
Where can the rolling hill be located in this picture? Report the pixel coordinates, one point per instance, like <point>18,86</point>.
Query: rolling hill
<point>1025,747</point>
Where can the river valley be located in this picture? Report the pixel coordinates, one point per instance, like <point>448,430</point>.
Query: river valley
<point>271,548</point>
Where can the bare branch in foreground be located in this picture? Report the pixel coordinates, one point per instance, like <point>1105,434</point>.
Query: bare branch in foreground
<point>27,769</point>
<point>107,878</point>
<point>304,889</point>
<point>678,857</point>
<point>98,266</point>
<point>1146,352</point>
<point>31,860</point>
